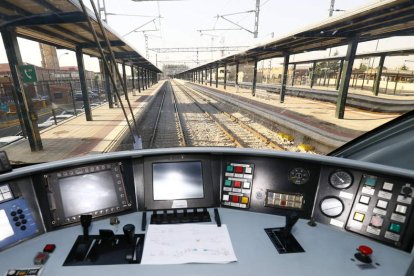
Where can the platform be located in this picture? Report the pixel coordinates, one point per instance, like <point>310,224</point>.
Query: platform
<point>76,136</point>
<point>314,117</point>
<point>361,99</point>
<point>103,134</point>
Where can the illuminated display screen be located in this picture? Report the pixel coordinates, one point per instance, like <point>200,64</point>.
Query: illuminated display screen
<point>180,180</point>
<point>86,193</point>
<point>5,228</point>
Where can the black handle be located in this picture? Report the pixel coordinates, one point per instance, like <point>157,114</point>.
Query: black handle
<point>86,223</point>
<point>129,232</point>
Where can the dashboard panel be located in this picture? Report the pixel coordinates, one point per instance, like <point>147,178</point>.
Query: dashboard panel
<point>370,204</point>
<point>372,201</point>
<point>269,185</point>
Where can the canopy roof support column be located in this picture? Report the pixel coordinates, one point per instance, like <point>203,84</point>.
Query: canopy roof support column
<point>217,70</point>
<point>225,76</point>
<point>236,81</point>
<point>124,79</point>
<point>312,80</point>
<point>133,80</point>
<point>338,80</point>
<point>146,78</point>
<point>142,78</point>
<point>284,78</point>
<point>254,78</point>
<point>28,119</point>
<point>84,87</point>
<point>346,76</point>
<point>293,74</point>
<point>115,82</point>
<point>108,87</point>
<point>378,76</point>
<point>211,76</point>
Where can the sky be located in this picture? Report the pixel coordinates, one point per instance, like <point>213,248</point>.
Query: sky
<point>181,20</point>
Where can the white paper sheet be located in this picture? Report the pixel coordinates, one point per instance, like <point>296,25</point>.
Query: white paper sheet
<point>187,243</point>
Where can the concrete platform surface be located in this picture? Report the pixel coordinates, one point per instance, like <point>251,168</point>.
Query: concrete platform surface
<point>318,116</point>
<point>76,136</point>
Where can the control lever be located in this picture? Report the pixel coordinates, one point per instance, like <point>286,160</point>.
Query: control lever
<point>282,237</point>
<point>86,223</point>
<point>290,222</point>
<point>144,221</point>
<point>129,232</point>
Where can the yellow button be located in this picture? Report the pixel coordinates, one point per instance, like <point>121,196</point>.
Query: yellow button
<point>359,216</point>
<point>245,200</point>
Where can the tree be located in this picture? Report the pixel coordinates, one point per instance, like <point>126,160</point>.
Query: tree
<point>330,66</point>
<point>404,68</point>
<point>363,67</point>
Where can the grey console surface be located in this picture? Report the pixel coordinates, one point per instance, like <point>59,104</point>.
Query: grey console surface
<point>328,251</point>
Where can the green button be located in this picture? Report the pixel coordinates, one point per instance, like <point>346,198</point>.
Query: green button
<point>230,168</point>
<point>395,227</point>
<point>227,183</point>
<point>370,181</point>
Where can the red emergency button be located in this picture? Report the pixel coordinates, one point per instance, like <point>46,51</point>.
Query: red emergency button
<point>235,199</point>
<point>365,250</point>
<point>238,169</point>
<point>364,254</point>
<point>49,248</point>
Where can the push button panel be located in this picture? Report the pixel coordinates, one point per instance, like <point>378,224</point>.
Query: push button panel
<point>237,185</point>
<point>5,193</point>
<point>387,209</point>
<point>283,200</point>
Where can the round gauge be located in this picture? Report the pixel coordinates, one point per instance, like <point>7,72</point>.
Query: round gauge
<point>332,207</point>
<point>299,176</point>
<point>341,180</point>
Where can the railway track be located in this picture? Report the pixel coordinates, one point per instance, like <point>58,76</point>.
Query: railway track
<point>199,127</point>
<point>160,126</point>
<point>237,131</point>
<point>180,116</point>
<point>166,129</point>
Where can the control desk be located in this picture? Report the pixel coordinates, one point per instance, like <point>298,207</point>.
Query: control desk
<point>352,217</point>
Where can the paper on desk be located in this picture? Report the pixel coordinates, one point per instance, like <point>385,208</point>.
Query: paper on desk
<point>187,243</point>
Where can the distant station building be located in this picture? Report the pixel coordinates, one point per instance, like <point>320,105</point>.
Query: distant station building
<point>52,86</point>
<point>173,69</point>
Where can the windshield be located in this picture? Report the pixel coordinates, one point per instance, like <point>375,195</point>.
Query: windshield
<point>248,74</point>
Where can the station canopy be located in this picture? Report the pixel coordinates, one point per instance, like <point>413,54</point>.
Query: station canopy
<point>376,21</point>
<point>62,23</point>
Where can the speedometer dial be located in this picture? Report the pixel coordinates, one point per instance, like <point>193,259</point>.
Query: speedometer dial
<point>341,180</point>
<point>332,207</point>
<point>299,176</point>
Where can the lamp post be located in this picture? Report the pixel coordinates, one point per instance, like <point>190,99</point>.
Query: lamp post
<point>63,54</point>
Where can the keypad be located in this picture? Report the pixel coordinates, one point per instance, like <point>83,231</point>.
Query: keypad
<point>19,218</point>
